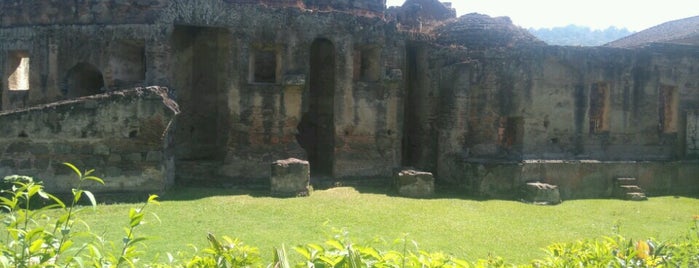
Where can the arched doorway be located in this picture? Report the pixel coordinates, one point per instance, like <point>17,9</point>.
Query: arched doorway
<point>83,79</point>
<point>317,127</point>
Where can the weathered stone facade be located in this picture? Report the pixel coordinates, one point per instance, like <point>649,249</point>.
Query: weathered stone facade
<point>354,88</point>
<point>123,135</point>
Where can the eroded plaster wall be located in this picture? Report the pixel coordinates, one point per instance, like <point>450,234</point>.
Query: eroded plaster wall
<point>73,61</point>
<point>240,69</point>
<point>122,135</point>
<point>267,85</point>
<point>338,83</point>
<point>548,103</point>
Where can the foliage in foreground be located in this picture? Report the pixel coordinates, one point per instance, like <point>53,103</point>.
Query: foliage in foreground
<point>33,239</point>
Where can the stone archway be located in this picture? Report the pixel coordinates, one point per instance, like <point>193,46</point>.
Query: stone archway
<point>83,79</point>
<point>317,127</point>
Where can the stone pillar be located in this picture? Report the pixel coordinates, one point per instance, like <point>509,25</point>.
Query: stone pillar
<point>413,183</point>
<point>290,177</point>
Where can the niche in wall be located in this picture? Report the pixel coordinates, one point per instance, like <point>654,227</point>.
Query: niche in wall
<point>264,64</point>
<point>18,67</point>
<point>668,102</point>
<point>367,64</point>
<point>83,79</point>
<point>127,63</point>
<point>600,99</point>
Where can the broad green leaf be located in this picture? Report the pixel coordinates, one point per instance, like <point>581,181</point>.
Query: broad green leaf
<point>316,247</point>
<point>75,169</point>
<point>31,191</point>
<point>132,212</point>
<point>36,246</point>
<point>9,203</point>
<point>57,200</point>
<point>335,244</point>
<point>66,245</point>
<point>136,220</point>
<point>94,178</point>
<point>43,194</point>
<point>76,195</point>
<point>31,233</point>
<point>303,251</point>
<point>92,199</point>
<point>152,199</point>
<point>136,240</point>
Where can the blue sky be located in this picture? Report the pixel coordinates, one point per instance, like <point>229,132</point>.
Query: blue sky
<point>635,15</point>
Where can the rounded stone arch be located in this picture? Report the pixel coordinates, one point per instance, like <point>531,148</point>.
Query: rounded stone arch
<point>83,79</point>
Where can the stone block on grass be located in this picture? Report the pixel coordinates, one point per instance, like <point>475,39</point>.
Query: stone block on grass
<point>290,177</point>
<point>414,183</point>
<point>540,193</point>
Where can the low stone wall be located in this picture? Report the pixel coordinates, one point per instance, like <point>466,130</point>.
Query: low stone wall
<point>582,178</point>
<point>123,135</point>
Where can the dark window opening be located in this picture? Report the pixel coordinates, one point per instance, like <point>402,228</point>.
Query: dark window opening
<point>203,64</point>
<point>367,64</point>
<point>264,66</point>
<point>127,63</point>
<point>599,108</point>
<point>510,132</point>
<point>83,79</point>
<point>668,101</point>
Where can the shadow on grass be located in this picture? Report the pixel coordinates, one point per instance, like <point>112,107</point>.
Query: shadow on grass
<point>261,189</point>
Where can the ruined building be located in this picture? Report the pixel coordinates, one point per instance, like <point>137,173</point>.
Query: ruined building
<point>153,93</point>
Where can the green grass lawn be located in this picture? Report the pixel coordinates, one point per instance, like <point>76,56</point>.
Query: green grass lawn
<point>467,228</point>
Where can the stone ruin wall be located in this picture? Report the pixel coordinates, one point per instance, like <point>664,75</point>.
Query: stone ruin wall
<point>123,135</point>
<point>485,115</point>
<point>232,126</point>
<point>575,117</point>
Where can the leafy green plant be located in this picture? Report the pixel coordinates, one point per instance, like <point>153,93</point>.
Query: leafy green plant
<point>339,251</point>
<point>31,239</point>
<point>228,252</point>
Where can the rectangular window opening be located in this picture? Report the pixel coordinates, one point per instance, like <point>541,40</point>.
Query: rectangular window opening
<point>600,99</point>
<point>264,66</point>
<point>18,62</point>
<point>668,101</point>
<point>367,64</point>
<point>511,132</point>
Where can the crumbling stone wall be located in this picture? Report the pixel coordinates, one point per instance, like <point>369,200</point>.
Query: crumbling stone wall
<point>508,104</point>
<point>122,135</point>
<point>232,125</point>
<point>338,83</point>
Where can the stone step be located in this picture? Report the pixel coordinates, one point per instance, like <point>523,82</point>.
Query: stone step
<point>630,189</point>
<point>636,196</point>
<point>625,181</point>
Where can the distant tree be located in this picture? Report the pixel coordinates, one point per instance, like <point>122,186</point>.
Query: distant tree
<point>574,35</point>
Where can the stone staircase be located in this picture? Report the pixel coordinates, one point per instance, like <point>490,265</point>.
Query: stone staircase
<point>628,189</point>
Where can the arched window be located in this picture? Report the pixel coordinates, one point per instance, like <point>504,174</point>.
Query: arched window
<point>83,79</point>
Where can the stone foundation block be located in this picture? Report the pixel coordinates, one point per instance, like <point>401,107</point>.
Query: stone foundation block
<point>413,183</point>
<point>541,193</point>
<point>290,177</point>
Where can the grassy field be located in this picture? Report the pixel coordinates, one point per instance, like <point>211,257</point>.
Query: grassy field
<point>467,228</point>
